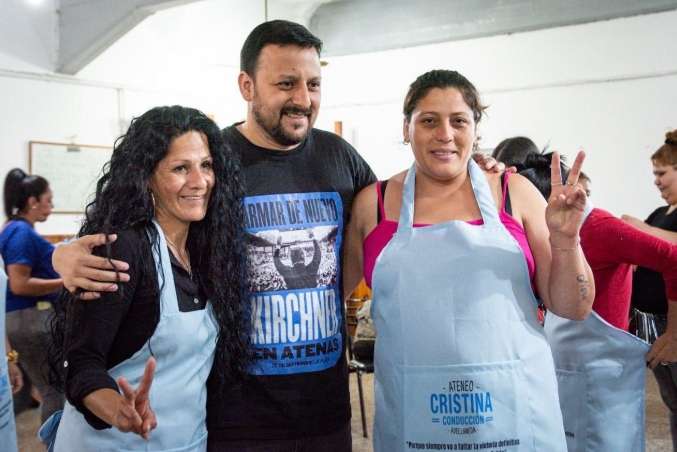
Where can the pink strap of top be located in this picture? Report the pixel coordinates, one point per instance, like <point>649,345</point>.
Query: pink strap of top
<point>379,237</point>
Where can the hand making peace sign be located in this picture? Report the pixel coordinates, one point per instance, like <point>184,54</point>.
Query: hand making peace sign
<point>134,413</point>
<point>564,214</point>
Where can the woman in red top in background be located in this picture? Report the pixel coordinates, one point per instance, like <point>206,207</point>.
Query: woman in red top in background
<point>600,366</point>
<point>612,247</point>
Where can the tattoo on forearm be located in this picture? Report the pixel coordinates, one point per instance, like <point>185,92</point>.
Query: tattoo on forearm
<point>583,286</point>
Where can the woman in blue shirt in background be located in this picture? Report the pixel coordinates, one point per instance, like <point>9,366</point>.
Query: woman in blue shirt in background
<point>32,282</point>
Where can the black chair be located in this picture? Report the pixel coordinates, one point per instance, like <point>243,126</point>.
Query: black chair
<point>361,361</point>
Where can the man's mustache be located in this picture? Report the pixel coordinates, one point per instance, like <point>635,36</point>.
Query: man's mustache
<point>296,111</point>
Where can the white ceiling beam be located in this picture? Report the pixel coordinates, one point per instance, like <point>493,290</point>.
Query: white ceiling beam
<point>88,27</point>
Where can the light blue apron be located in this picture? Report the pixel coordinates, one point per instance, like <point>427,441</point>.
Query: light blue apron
<point>7,425</point>
<point>601,371</point>
<point>183,345</point>
<point>461,362</point>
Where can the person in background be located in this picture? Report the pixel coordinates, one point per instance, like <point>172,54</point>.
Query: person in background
<point>11,380</point>
<point>649,287</point>
<point>172,195</point>
<point>32,282</point>
<point>514,150</point>
<point>454,280</point>
<point>601,367</point>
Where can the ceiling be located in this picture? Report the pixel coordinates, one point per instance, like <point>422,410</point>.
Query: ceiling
<point>215,28</point>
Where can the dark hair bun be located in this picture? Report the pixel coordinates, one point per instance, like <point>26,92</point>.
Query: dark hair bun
<point>16,175</point>
<point>671,138</point>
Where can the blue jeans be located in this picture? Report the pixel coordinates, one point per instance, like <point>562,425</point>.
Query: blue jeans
<point>339,441</point>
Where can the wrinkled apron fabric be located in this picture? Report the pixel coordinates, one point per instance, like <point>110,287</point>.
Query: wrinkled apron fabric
<point>461,362</point>
<point>601,372</point>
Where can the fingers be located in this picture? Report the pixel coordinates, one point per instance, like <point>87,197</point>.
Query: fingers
<point>146,380</point>
<point>103,275</point>
<point>576,198</point>
<point>575,171</point>
<point>660,352</point>
<point>94,240</point>
<point>16,380</point>
<point>127,390</point>
<point>149,423</point>
<point>93,286</point>
<point>86,296</point>
<point>655,360</point>
<point>555,173</point>
<point>95,263</point>
<point>128,419</point>
<point>511,169</point>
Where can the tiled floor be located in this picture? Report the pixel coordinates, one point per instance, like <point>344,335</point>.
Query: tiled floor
<point>658,433</point>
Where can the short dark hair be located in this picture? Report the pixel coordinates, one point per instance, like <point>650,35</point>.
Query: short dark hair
<point>280,32</point>
<point>19,187</point>
<point>514,150</point>
<point>440,78</point>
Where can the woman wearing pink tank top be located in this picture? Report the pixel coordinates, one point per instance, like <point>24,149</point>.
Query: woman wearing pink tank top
<point>440,122</point>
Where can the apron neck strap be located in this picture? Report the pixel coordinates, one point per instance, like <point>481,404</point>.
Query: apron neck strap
<point>165,275</point>
<point>480,186</point>
<point>406,222</point>
<point>485,201</point>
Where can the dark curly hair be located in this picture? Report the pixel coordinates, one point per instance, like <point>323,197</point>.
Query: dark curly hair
<point>216,243</point>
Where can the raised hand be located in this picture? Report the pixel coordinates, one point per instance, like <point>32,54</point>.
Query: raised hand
<point>81,270</point>
<point>490,164</point>
<point>135,413</point>
<point>564,214</point>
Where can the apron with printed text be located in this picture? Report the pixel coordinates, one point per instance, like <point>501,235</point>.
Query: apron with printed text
<point>461,362</point>
<point>601,372</point>
<point>7,424</point>
<point>183,345</point>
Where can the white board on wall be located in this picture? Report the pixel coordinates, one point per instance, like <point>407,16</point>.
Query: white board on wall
<point>71,170</point>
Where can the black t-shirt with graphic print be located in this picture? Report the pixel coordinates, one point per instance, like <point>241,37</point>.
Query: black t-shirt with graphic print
<point>297,205</point>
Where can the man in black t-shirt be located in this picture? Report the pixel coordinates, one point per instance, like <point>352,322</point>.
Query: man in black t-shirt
<point>299,186</point>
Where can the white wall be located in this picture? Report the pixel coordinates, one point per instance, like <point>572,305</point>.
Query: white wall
<point>608,87</point>
<point>49,111</point>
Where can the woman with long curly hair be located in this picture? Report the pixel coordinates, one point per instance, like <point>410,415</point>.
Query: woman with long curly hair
<point>171,193</point>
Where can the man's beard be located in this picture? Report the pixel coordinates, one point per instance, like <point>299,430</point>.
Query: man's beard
<point>275,130</point>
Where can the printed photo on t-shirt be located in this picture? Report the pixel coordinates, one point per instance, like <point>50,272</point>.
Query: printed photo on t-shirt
<point>293,244</point>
